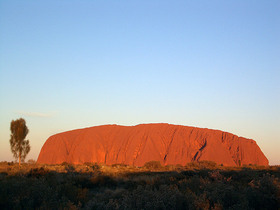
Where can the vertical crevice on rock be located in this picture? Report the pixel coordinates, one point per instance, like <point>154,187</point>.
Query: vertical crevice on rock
<point>199,152</point>
<point>169,145</point>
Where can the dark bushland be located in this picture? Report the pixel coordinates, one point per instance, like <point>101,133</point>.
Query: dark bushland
<point>95,186</point>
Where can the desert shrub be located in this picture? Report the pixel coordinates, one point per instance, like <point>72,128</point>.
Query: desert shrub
<point>102,181</point>
<point>69,168</point>
<point>96,166</point>
<point>204,164</point>
<point>226,195</point>
<point>49,187</point>
<point>170,167</point>
<point>208,164</point>
<point>192,165</point>
<point>264,192</point>
<point>37,172</point>
<point>216,175</point>
<point>93,166</point>
<point>142,197</point>
<point>64,164</point>
<point>153,165</point>
<point>88,163</point>
<point>4,163</point>
<point>119,165</point>
<point>179,166</point>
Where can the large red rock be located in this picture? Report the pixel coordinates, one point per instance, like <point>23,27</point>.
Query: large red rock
<point>136,145</point>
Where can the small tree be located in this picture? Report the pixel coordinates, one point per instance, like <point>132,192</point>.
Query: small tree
<point>19,146</point>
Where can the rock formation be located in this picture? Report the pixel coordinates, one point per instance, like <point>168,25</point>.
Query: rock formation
<point>136,145</point>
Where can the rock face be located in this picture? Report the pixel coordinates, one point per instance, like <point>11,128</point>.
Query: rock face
<point>136,145</point>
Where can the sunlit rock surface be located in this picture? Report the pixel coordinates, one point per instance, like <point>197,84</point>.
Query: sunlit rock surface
<point>136,145</point>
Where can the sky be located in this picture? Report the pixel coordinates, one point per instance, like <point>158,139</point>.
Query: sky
<point>72,64</point>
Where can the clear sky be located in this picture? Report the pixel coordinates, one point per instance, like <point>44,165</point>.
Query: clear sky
<point>72,64</point>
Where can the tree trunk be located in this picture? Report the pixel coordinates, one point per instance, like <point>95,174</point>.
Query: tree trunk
<point>19,158</point>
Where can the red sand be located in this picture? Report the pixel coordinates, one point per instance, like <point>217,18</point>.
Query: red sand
<point>136,145</point>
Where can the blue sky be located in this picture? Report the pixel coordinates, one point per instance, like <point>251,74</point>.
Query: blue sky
<point>73,64</point>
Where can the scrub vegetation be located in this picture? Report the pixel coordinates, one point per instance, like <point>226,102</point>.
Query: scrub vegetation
<point>198,185</point>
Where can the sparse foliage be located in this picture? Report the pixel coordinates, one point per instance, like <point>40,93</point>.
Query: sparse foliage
<point>19,146</point>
